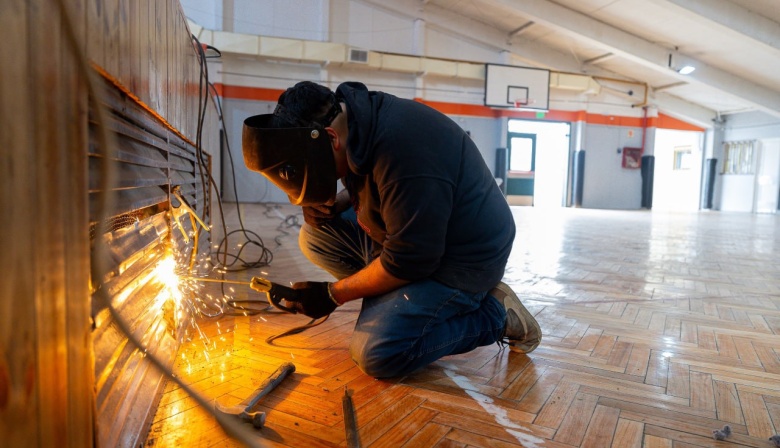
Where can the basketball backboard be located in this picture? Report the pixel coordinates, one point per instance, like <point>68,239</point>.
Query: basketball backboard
<point>511,86</point>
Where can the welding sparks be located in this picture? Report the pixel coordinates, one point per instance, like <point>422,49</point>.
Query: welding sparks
<point>166,273</point>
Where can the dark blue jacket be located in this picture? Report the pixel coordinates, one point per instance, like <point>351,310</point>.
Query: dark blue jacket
<point>424,192</point>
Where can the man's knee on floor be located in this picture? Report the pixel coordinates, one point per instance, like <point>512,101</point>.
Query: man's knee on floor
<point>381,363</point>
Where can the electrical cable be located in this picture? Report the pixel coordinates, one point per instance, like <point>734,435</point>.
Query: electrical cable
<point>229,261</point>
<point>295,330</point>
<point>232,306</point>
<point>99,259</point>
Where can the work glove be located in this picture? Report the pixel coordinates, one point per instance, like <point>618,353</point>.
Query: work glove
<point>318,215</point>
<point>312,299</point>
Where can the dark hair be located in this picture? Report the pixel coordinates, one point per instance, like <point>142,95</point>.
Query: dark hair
<point>306,104</point>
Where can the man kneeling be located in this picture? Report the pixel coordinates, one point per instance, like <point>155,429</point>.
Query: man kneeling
<point>420,230</point>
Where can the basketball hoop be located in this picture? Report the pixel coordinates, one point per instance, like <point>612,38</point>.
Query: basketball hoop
<point>512,87</point>
<point>520,103</point>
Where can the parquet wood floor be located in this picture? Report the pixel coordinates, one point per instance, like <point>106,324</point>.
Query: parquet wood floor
<point>658,329</point>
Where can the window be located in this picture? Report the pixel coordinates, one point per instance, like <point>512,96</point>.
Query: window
<point>738,157</point>
<point>522,149</point>
<point>683,159</point>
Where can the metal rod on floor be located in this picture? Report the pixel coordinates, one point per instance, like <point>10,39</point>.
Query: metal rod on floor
<point>350,422</point>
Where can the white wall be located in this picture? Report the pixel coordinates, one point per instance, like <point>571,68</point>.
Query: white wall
<point>751,125</point>
<point>606,183</point>
<point>206,13</point>
<point>768,177</point>
<point>737,191</point>
<point>362,26</point>
<point>298,19</point>
<point>251,186</point>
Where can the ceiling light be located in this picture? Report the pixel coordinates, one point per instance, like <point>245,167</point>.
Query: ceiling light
<point>687,70</point>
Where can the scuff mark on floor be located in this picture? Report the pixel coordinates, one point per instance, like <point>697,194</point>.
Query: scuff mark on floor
<point>499,414</point>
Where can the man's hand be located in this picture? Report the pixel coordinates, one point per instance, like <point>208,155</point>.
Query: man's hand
<point>317,215</point>
<point>313,299</point>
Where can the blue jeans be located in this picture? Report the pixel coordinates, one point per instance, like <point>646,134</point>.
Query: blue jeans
<point>411,327</point>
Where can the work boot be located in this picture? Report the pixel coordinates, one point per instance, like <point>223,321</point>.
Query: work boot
<point>522,332</point>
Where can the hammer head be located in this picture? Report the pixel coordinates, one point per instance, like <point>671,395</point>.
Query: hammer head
<point>257,419</point>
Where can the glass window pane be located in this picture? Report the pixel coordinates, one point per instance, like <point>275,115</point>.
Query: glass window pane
<point>521,155</point>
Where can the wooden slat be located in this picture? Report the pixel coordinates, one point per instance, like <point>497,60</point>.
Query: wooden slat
<point>575,423</point>
<point>18,356</point>
<point>628,434</point>
<point>45,262</point>
<point>72,104</point>
<point>601,429</point>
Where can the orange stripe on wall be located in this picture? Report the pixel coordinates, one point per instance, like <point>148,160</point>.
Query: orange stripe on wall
<point>667,122</point>
<point>248,93</point>
<point>474,110</point>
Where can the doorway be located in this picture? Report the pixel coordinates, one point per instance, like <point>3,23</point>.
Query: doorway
<point>678,170</point>
<point>538,162</point>
<point>521,158</point>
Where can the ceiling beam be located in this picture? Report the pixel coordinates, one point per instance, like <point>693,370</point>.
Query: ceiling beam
<point>669,86</point>
<point>599,58</point>
<point>678,108</point>
<point>644,52</point>
<point>735,18</point>
<point>516,32</point>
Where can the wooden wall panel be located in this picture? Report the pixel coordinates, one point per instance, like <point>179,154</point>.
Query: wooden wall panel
<point>44,55</point>
<point>95,37</point>
<point>18,391</point>
<point>47,383</point>
<point>72,107</point>
<point>45,360</point>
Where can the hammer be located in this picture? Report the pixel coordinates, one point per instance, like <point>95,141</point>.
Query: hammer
<point>243,410</point>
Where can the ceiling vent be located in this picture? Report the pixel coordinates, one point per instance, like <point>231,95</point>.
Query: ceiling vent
<point>358,56</point>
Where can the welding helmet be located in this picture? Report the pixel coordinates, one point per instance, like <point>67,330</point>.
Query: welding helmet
<point>297,158</point>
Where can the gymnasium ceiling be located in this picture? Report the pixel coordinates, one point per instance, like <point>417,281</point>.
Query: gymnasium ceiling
<point>733,44</point>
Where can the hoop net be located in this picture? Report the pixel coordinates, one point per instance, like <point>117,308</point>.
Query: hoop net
<point>521,102</point>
